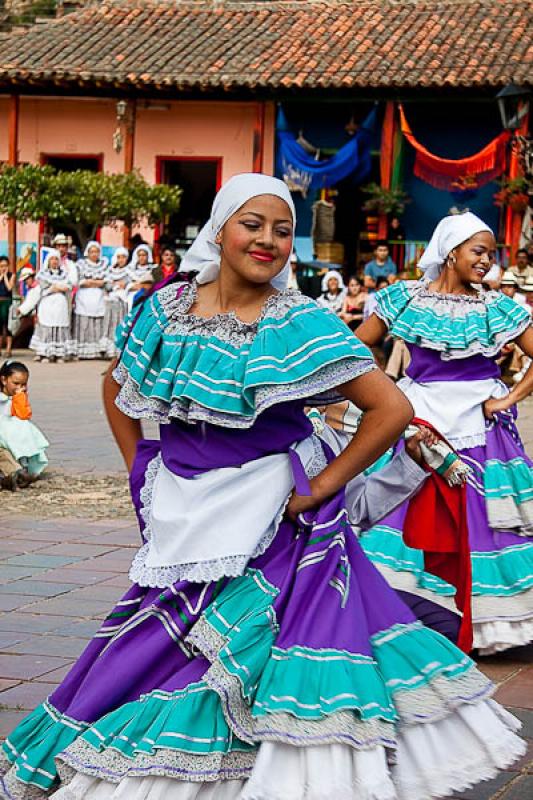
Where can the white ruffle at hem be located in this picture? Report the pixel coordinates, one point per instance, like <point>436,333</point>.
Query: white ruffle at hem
<point>499,623</point>
<point>432,760</point>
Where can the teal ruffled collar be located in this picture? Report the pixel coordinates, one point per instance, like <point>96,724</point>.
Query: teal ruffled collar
<point>458,326</point>
<point>222,370</point>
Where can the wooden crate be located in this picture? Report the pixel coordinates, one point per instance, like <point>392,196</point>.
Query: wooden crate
<point>330,251</point>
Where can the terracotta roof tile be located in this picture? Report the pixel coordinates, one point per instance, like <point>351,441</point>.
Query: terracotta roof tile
<point>305,44</point>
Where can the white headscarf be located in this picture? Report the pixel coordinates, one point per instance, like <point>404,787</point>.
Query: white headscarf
<point>92,270</point>
<point>449,233</point>
<point>135,256</point>
<point>90,244</point>
<point>120,251</point>
<point>141,272</point>
<point>46,275</point>
<point>203,255</point>
<point>333,273</point>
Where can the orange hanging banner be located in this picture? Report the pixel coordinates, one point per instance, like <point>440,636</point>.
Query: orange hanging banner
<point>386,158</point>
<point>450,174</point>
<point>387,145</point>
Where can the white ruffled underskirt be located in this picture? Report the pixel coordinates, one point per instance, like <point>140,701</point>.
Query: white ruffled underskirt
<point>52,342</point>
<point>432,760</point>
<point>493,637</point>
<point>87,333</point>
<point>490,635</point>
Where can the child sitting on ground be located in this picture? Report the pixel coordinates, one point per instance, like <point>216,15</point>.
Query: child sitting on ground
<point>18,434</point>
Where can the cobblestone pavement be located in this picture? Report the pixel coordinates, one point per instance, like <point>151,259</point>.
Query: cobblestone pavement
<point>66,545</point>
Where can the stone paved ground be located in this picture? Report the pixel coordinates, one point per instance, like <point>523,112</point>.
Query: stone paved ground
<point>66,545</point>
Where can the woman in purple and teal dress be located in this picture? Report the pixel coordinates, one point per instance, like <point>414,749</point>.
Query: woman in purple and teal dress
<point>455,330</point>
<point>258,654</point>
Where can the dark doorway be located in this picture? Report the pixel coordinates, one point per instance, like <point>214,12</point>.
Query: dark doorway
<point>199,180</point>
<point>70,163</point>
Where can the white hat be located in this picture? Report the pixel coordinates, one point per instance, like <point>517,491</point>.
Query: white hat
<point>25,272</point>
<point>332,273</point>
<point>60,238</point>
<point>509,278</point>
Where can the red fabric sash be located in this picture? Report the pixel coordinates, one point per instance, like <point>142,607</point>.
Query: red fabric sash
<point>436,522</point>
<point>445,173</point>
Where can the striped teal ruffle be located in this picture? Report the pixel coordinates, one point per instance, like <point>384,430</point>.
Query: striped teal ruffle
<point>459,325</point>
<point>502,573</point>
<point>189,721</point>
<point>34,743</point>
<point>252,685</point>
<point>509,479</point>
<point>310,684</point>
<point>508,487</point>
<point>179,366</point>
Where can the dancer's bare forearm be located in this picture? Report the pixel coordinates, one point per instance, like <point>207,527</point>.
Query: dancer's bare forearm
<point>387,412</point>
<point>125,430</point>
<point>372,331</point>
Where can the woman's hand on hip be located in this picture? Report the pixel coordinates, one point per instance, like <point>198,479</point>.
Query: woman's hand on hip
<point>494,404</point>
<point>300,503</point>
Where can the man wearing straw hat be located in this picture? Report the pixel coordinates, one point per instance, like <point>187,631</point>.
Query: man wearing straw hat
<point>61,243</point>
<point>527,289</point>
<point>509,286</point>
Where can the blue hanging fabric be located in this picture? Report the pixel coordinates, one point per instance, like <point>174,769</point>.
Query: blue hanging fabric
<point>302,172</point>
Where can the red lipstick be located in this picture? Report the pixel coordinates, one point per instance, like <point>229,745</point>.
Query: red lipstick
<point>259,255</point>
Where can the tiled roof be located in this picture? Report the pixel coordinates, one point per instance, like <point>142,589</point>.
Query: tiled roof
<point>278,45</point>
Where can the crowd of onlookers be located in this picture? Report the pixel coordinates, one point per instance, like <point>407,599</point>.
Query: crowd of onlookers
<point>72,306</point>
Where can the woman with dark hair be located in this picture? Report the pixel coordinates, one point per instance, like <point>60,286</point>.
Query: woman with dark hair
<point>354,303</point>
<point>455,331</point>
<point>7,283</point>
<point>168,264</point>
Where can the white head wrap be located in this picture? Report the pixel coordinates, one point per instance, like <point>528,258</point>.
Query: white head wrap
<point>92,270</point>
<point>449,233</point>
<point>135,255</point>
<point>203,255</point>
<point>52,253</point>
<point>90,244</point>
<point>120,251</point>
<point>46,274</point>
<point>333,273</point>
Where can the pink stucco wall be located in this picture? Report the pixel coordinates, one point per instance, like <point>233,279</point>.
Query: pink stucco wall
<point>84,126</point>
